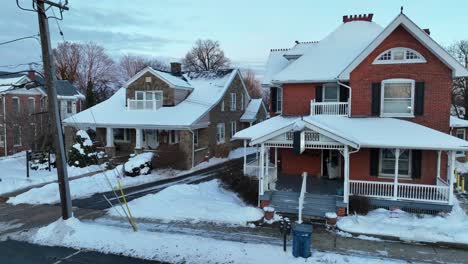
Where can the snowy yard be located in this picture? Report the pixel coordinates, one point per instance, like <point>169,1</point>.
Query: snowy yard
<point>206,201</point>
<point>13,173</point>
<point>177,248</point>
<point>452,228</point>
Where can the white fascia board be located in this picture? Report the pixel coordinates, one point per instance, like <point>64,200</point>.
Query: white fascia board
<point>457,69</point>
<point>130,126</point>
<point>278,83</point>
<point>331,135</point>
<point>461,148</point>
<point>154,72</point>
<point>272,135</point>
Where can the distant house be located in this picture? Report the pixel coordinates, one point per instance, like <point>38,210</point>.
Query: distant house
<point>364,112</point>
<point>184,117</point>
<point>459,128</point>
<point>23,112</point>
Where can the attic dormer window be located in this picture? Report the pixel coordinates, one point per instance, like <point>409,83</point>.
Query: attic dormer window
<point>399,55</point>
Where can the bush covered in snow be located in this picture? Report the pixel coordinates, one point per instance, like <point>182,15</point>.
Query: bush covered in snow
<point>359,204</point>
<point>82,153</point>
<point>246,187</point>
<point>139,164</point>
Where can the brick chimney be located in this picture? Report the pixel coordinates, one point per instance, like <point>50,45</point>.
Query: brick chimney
<point>176,68</point>
<point>428,31</point>
<point>363,17</point>
<point>31,75</point>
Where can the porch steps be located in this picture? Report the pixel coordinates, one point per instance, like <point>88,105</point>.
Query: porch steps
<point>315,205</point>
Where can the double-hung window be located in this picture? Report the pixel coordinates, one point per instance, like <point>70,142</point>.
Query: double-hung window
<point>16,105</point>
<point>279,100</point>
<point>173,137</point>
<point>148,100</point>
<point>121,134</point>
<point>397,98</point>
<point>69,107</point>
<point>31,105</point>
<point>242,103</point>
<point>233,128</point>
<point>460,133</point>
<point>331,92</point>
<point>220,133</point>
<point>387,163</point>
<point>195,137</point>
<point>233,102</point>
<point>222,106</point>
<point>17,135</point>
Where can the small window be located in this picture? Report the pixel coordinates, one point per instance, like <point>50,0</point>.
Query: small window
<point>148,79</point>
<point>398,98</point>
<point>399,55</point>
<point>69,107</point>
<point>2,136</point>
<point>222,106</point>
<point>220,133</point>
<point>173,137</point>
<point>233,102</point>
<point>331,92</point>
<point>121,134</point>
<point>233,128</point>
<point>31,105</point>
<point>461,135</point>
<point>43,103</point>
<point>242,103</point>
<point>16,105</point>
<point>387,163</point>
<point>279,100</point>
<point>17,135</point>
<point>195,137</point>
<point>140,95</point>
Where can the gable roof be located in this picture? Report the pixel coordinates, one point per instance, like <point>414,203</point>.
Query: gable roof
<point>252,109</point>
<point>275,63</point>
<point>171,80</point>
<point>402,20</point>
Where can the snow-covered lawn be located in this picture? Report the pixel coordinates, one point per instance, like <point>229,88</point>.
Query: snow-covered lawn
<point>206,201</point>
<point>177,248</point>
<point>13,173</point>
<point>452,228</point>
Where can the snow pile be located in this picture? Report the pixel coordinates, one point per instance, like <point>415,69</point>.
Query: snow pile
<point>177,248</point>
<point>206,201</point>
<point>461,167</point>
<point>139,164</point>
<point>86,139</point>
<point>452,228</point>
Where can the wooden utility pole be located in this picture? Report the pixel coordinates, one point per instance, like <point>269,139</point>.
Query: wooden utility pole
<point>53,108</point>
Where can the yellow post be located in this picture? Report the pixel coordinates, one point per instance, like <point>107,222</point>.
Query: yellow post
<point>458,179</point>
<point>132,221</point>
<point>463,184</point>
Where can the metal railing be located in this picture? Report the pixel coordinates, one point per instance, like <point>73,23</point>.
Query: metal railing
<point>405,191</point>
<point>134,104</point>
<point>329,108</point>
<point>302,196</point>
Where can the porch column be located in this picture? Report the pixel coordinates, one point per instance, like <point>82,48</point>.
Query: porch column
<point>276,157</point>
<point>438,163</point>
<point>261,169</point>
<point>267,167</point>
<point>451,175</point>
<point>245,156</point>
<point>109,137</point>
<point>138,138</point>
<point>346,175</point>
<point>395,180</point>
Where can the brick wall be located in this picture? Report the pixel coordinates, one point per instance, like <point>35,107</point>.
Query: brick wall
<point>292,164</point>
<point>434,73</point>
<point>297,97</point>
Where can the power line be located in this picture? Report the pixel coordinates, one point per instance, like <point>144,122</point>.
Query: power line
<point>12,66</point>
<point>18,39</point>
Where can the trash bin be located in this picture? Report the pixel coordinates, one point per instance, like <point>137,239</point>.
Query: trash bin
<point>302,238</point>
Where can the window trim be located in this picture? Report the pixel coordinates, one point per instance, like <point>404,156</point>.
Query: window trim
<point>176,135</point>
<point>421,58</point>
<point>196,137</point>
<point>220,137</point>
<point>20,136</point>
<point>460,153</point>
<point>30,98</point>
<point>2,135</point>
<point>126,135</point>
<point>71,107</point>
<point>19,103</point>
<point>242,103</point>
<point>222,106</point>
<point>279,102</point>
<point>382,97</point>
<point>233,106</point>
<point>392,175</point>
<point>153,92</point>
<point>233,127</point>
<point>331,85</point>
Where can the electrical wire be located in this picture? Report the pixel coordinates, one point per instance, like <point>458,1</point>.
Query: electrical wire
<point>18,39</point>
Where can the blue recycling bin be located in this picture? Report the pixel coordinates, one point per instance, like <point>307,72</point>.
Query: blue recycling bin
<point>302,240</point>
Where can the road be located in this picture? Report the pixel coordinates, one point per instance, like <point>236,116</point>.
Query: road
<point>16,252</point>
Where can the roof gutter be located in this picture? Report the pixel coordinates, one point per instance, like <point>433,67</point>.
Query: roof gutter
<point>350,95</point>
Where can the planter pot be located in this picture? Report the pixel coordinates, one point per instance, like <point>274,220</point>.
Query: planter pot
<point>269,212</point>
<point>331,219</point>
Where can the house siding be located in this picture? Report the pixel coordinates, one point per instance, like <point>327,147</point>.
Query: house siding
<point>297,97</point>
<point>309,161</point>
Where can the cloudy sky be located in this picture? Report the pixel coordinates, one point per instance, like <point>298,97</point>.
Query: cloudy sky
<point>246,29</point>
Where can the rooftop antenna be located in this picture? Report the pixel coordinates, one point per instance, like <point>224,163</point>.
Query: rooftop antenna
<point>401,10</point>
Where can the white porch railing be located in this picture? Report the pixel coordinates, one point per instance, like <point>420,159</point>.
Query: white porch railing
<point>134,104</point>
<point>302,196</point>
<point>329,108</point>
<point>405,191</point>
<point>253,169</point>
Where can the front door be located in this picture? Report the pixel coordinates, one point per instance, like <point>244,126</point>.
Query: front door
<point>331,163</point>
<point>151,139</point>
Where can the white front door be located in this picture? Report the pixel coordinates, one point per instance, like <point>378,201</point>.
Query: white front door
<point>151,139</point>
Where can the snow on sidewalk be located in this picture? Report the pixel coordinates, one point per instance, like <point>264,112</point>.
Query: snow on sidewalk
<point>13,173</point>
<point>452,228</point>
<point>207,202</point>
<point>176,248</point>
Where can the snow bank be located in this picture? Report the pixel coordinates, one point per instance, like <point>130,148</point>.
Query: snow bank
<point>452,228</point>
<point>176,248</point>
<point>461,167</point>
<point>139,164</point>
<point>206,201</point>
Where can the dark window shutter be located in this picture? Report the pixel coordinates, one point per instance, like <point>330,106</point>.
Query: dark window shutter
<point>297,142</point>
<point>419,99</point>
<point>416,158</point>
<point>274,99</point>
<point>374,162</point>
<point>344,94</point>
<point>318,94</point>
<point>376,88</point>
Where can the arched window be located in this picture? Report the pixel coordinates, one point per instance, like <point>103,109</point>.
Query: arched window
<point>399,55</point>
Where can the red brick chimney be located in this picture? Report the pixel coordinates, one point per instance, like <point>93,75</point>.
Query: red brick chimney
<point>32,75</point>
<point>176,68</point>
<point>363,17</point>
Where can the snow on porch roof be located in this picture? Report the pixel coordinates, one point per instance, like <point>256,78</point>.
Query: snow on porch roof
<point>458,122</point>
<point>362,132</point>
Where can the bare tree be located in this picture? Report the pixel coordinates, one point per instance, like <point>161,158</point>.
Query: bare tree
<point>253,84</point>
<point>205,55</point>
<point>460,85</point>
<point>67,58</point>
<point>131,64</point>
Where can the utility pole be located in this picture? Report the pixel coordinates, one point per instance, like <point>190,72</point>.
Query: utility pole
<point>53,108</point>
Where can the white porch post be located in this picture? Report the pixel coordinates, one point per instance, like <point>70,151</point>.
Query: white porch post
<point>451,175</point>
<point>109,137</point>
<point>395,180</point>
<point>138,138</point>
<point>267,167</point>
<point>438,163</point>
<point>261,169</point>
<point>346,175</point>
<point>245,156</point>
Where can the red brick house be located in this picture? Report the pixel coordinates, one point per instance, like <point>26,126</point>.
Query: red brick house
<point>365,112</point>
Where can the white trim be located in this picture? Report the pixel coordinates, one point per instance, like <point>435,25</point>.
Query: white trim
<point>392,60</point>
<point>457,69</point>
<point>331,86</point>
<point>20,136</point>
<point>126,135</point>
<point>19,104</point>
<point>279,103</point>
<point>233,128</point>
<point>233,102</point>
<point>220,135</point>
<point>382,97</point>
<point>176,135</point>
<point>33,106</point>
<point>392,175</point>
<point>155,73</point>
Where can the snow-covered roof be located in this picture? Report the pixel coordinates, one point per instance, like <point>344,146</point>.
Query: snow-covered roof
<point>325,60</point>
<point>300,49</point>
<point>366,132</point>
<point>251,110</point>
<point>458,122</point>
<point>6,83</point>
<point>275,63</point>
<point>172,80</point>
<point>207,90</point>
